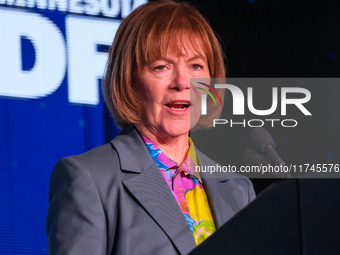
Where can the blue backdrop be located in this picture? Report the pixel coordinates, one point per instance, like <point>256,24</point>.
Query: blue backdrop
<point>52,56</point>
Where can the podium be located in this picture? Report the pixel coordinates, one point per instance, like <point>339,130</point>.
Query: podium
<point>296,216</point>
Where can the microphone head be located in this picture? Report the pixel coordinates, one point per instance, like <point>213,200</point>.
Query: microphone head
<point>252,157</point>
<point>260,138</point>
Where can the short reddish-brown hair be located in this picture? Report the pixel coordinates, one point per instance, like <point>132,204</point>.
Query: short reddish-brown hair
<point>146,35</point>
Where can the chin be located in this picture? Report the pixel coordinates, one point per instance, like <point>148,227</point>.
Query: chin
<point>177,130</point>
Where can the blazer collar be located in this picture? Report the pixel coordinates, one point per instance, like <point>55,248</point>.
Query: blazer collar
<point>132,151</point>
<point>218,204</point>
<point>146,183</point>
<point>221,207</point>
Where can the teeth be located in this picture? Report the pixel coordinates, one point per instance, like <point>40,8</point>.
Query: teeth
<point>178,105</point>
<point>178,109</point>
<point>179,102</point>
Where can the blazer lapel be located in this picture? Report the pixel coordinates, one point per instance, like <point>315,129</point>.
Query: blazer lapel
<point>221,206</point>
<point>148,186</point>
<point>220,194</point>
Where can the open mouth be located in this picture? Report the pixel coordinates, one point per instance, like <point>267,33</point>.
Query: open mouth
<point>178,105</point>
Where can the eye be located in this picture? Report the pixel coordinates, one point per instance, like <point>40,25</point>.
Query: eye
<point>196,66</point>
<point>160,67</point>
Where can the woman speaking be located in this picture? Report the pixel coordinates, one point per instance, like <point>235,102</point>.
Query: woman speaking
<point>137,194</point>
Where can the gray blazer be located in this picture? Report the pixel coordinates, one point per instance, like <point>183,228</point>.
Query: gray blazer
<point>114,200</point>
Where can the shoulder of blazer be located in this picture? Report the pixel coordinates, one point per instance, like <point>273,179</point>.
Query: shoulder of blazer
<point>126,152</point>
<point>98,161</point>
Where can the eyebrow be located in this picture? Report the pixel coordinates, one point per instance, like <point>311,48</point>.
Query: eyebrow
<point>198,56</point>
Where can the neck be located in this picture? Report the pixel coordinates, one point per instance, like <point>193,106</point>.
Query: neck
<point>176,148</point>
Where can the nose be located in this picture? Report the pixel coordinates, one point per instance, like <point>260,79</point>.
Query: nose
<point>181,79</point>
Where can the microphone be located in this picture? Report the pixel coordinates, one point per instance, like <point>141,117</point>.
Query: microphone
<point>253,157</point>
<point>262,141</point>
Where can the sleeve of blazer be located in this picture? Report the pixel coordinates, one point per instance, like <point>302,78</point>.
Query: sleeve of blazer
<point>75,219</point>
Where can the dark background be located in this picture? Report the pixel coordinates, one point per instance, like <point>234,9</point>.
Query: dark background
<point>282,38</point>
<point>276,38</point>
